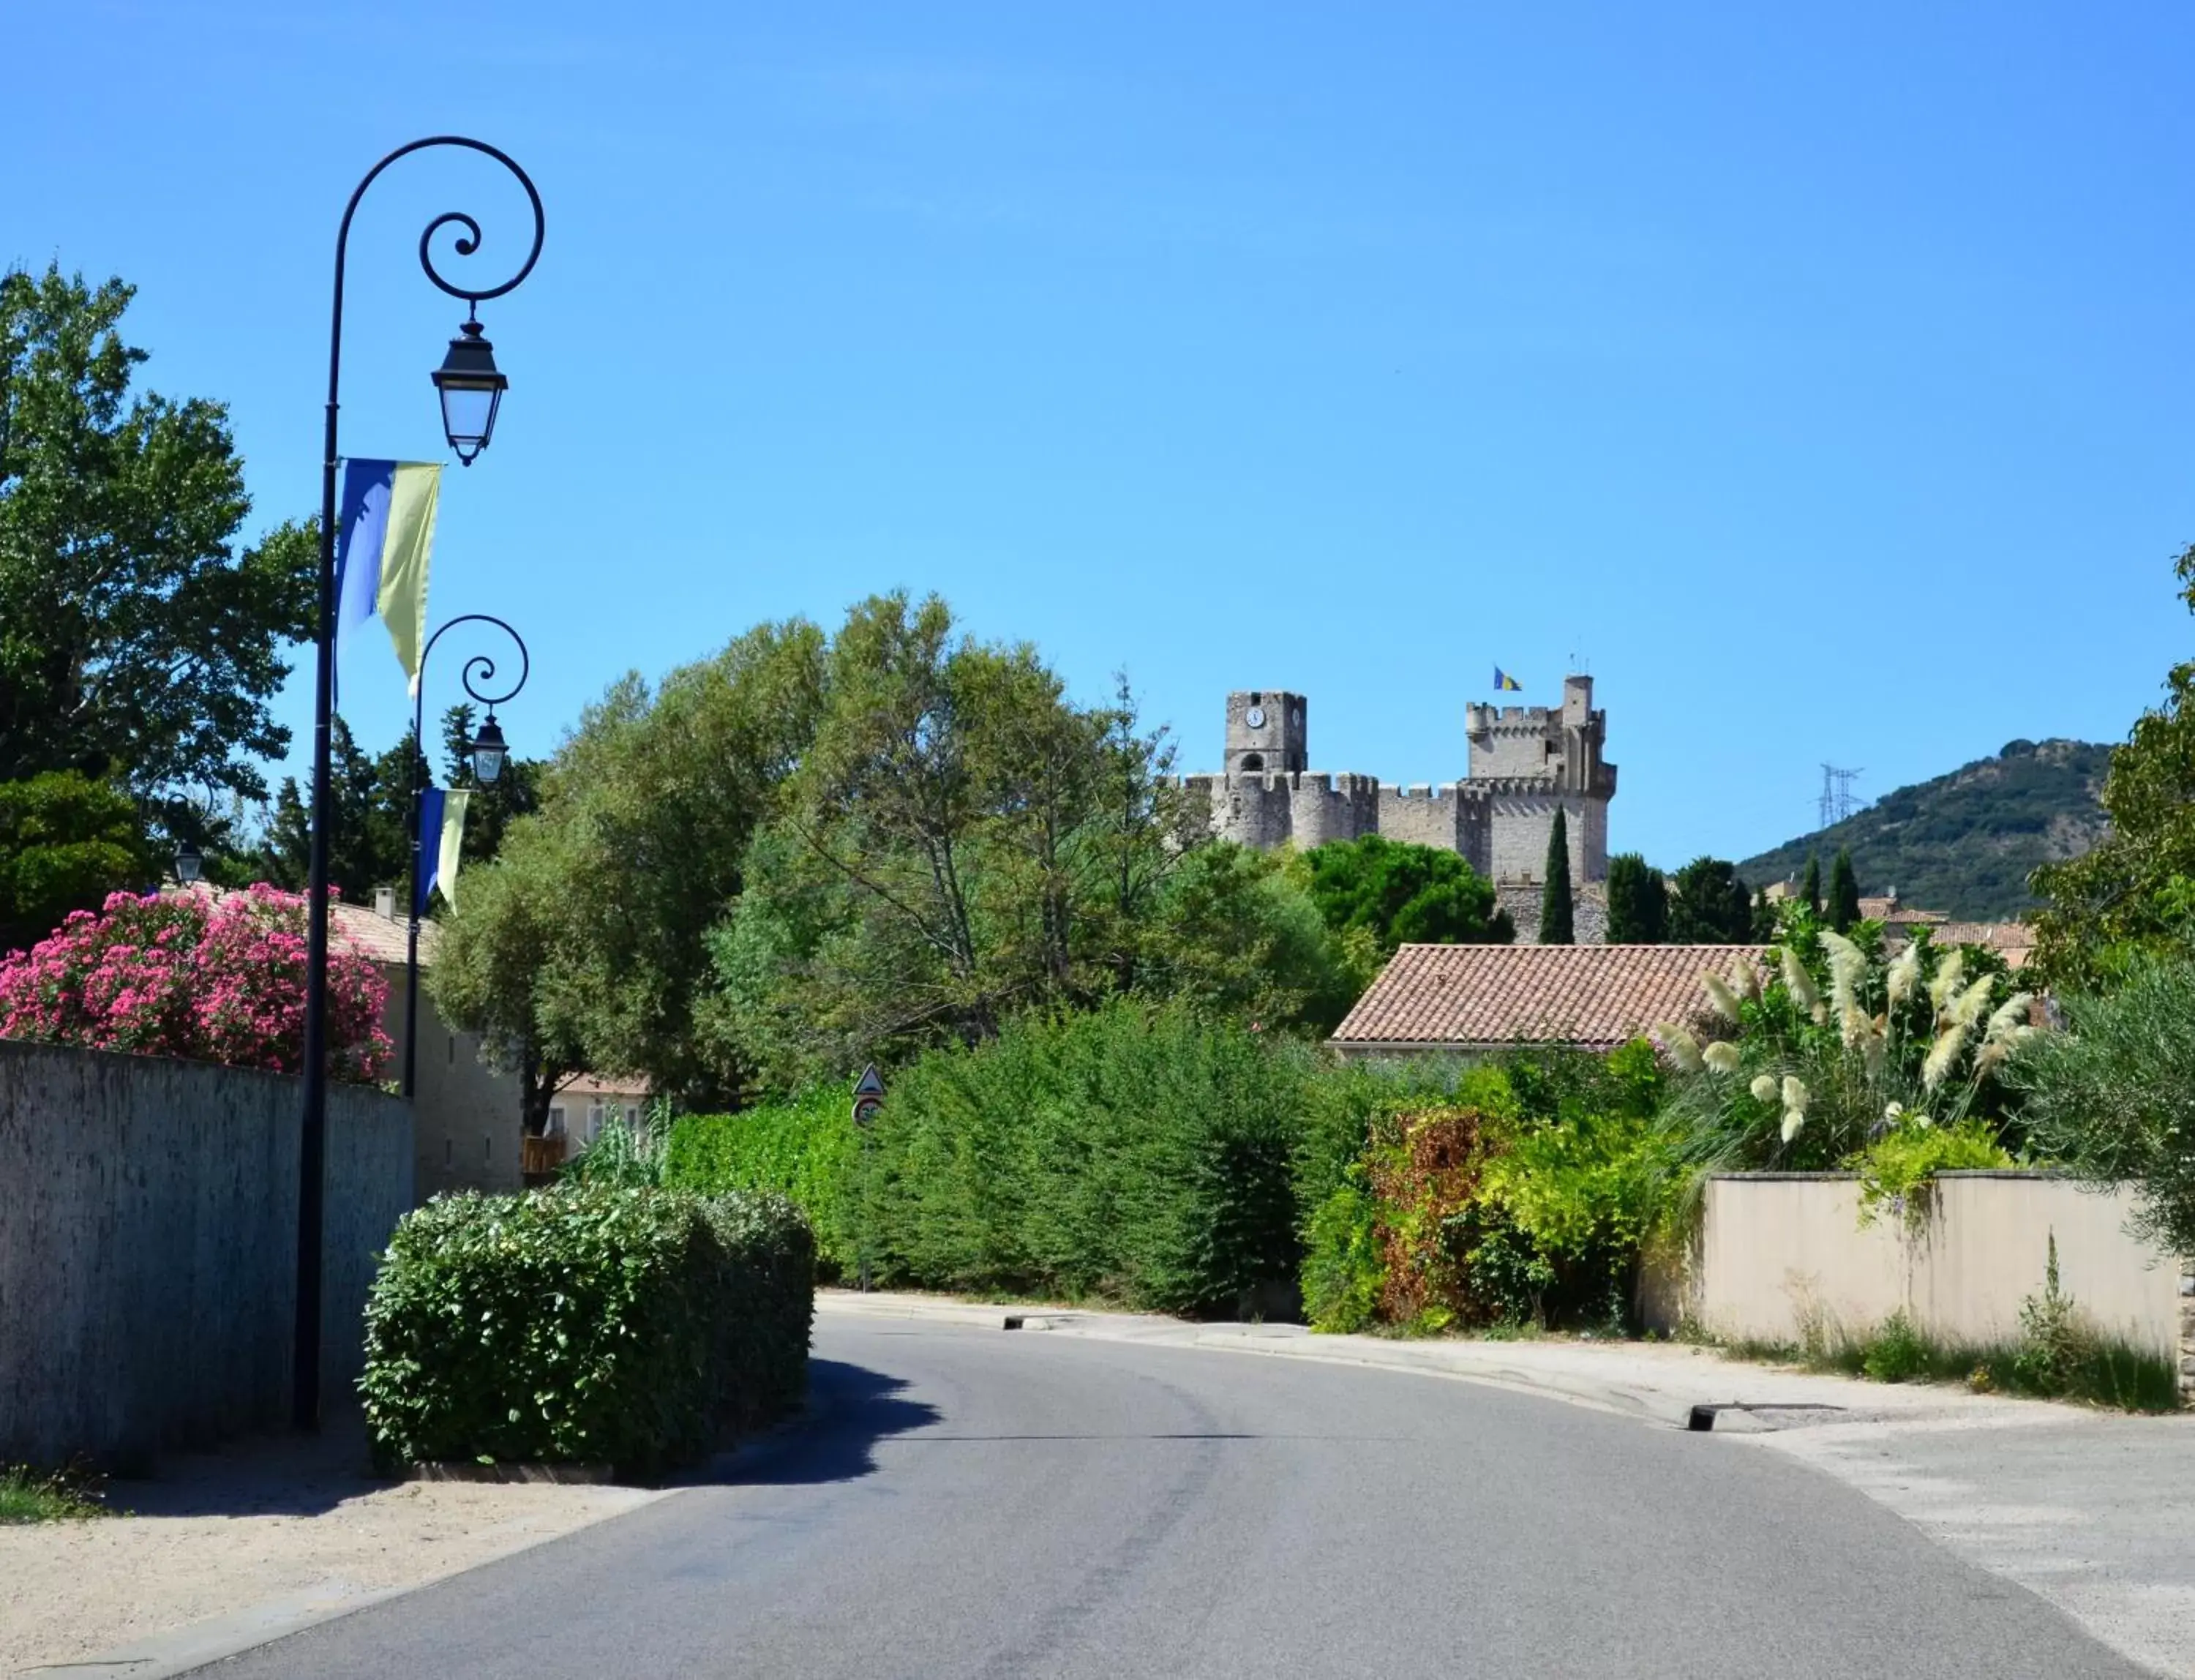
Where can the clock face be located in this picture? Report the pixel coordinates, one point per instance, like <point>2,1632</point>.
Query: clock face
<point>1257,718</point>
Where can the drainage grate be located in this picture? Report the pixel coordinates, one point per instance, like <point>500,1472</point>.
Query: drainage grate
<point>1769,1415</point>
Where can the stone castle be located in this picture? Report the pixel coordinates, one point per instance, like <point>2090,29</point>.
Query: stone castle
<point>1524,763</point>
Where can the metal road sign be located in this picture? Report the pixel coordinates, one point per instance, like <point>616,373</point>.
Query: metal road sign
<point>868,1095</point>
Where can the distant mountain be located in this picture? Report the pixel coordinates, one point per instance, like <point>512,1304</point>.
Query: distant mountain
<point>1964,842</point>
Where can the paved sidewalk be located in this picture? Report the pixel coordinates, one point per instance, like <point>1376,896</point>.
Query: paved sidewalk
<point>2093,1510</point>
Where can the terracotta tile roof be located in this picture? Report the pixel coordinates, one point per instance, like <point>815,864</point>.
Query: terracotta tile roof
<point>381,938</point>
<point>2011,940</point>
<point>1596,995</point>
<point>360,928</point>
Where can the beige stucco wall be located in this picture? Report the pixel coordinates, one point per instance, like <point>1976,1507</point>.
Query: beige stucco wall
<point>466,1117</point>
<point>1778,1254</point>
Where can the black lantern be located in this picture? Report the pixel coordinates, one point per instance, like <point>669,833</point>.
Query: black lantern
<point>488,752</point>
<point>189,864</point>
<point>472,389</point>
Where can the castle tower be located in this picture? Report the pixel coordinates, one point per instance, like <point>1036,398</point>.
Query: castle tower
<point>1265,732</point>
<point>1532,758</point>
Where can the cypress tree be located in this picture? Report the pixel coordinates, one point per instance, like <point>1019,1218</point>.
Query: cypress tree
<point>1709,905</point>
<point>1844,892</point>
<point>1638,901</point>
<point>1555,907</point>
<point>1810,889</point>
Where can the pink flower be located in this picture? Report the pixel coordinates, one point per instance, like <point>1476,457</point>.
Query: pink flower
<point>211,979</point>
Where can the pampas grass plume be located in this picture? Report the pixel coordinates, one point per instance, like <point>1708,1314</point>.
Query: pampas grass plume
<point>1723,999</point>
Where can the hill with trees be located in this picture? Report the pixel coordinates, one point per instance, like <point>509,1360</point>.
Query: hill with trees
<point>1966,842</point>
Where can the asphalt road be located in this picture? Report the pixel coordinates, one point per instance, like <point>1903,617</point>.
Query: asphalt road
<point>983,1503</point>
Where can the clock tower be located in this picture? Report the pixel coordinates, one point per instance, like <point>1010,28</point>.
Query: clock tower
<point>1265,732</point>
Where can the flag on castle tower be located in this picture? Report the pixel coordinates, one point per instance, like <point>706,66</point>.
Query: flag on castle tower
<point>1506,683</point>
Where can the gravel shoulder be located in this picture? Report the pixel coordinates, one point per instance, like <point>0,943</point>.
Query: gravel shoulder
<point>282,1529</point>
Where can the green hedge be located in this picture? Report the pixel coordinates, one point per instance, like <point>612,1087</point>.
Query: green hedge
<point>1137,1154</point>
<point>803,1150</point>
<point>636,1328</point>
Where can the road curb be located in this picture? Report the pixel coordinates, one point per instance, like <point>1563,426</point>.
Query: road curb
<point>1734,1397</point>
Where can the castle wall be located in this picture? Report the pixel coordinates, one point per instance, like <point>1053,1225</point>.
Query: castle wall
<point>1513,741</point>
<point>1590,819</point>
<point>1323,808</point>
<point>1526,763</point>
<point>1521,820</point>
<point>1454,817</point>
<point>1588,911</point>
<point>1252,810</point>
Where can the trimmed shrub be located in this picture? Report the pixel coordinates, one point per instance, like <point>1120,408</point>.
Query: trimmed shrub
<point>806,1150</point>
<point>1133,1153</point>
<point>636,1328</point>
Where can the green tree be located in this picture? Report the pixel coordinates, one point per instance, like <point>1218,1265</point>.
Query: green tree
<point>2134,894</point>
<point>1237,934</point>
<point>138,639</point>
<point>2114,1096</point>
<point>1145,829</point>
<point>660,794</point>
<point>65,842</point>
<point>370,823</point>
<point>1638,901</point>
<point>1399,894</point>
<point>1810,888</point>
<point>494,807</point>
<point>1709,905</point>
<point>1556,913</point>
<point>1844,893</point>
<point>513,962</point>
<point>938,861</point>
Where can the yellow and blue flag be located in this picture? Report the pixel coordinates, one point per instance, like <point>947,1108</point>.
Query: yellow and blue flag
<point>441,813</point>
<point>1506,683</point>
<point>384,539</point>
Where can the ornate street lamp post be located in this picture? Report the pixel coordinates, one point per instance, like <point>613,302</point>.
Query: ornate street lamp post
<point>471,390</point>
<point>487,752</point>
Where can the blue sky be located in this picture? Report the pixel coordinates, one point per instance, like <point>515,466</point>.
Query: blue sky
<point>1819,379</point>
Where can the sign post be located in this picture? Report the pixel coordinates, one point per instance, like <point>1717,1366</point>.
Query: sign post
<point>869,1100</point>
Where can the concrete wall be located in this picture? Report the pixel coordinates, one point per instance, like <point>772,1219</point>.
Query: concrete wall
<point>148,1248</point>
<point>1777,1255</point>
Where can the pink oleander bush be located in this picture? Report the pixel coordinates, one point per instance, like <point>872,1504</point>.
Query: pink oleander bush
<point>207,980</point>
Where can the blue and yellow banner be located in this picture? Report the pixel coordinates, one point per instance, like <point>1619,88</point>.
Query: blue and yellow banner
<point>442,826</point>
<point>1506,683</point>
<point>383,540</point>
